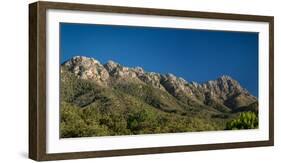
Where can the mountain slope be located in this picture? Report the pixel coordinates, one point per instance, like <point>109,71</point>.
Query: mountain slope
<point>112,99</point>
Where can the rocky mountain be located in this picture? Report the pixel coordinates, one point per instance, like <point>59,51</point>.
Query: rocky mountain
<point>224,91</point>
<point>112,88</point>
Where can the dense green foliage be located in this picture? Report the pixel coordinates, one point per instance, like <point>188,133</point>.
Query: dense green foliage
<point>88,109</point>
<point>246,120</point>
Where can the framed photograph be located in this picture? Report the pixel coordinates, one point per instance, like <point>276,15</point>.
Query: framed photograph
<point>112,81</point>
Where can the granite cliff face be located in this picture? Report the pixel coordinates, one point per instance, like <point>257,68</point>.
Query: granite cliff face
<point>224,93</point>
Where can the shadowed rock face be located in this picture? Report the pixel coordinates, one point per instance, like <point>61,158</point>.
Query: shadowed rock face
<point>223,92</point>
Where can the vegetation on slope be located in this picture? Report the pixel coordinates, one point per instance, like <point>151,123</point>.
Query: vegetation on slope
<point>89,109</point>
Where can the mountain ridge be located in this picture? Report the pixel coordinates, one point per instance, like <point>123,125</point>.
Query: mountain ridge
<point>111,99</point>
<point>220,90</point>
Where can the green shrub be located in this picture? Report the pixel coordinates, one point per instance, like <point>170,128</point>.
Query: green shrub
<point>142,121</point>
<point>246,120</point>
<point>74,123</point>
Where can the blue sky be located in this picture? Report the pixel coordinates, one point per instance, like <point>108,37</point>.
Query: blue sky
<point>195,55</point>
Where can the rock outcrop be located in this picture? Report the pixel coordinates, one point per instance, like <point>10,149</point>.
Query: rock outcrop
<point>87,68</point>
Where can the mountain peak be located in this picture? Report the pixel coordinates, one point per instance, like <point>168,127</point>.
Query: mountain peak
<point>223,80</point>
<point>226,80</point>
<point>225,87</point>
<point>112,67</point>
<point>80,57</point>
<point>84,59</point>
<point>138,69</point>
<point>225,77</point>
<point>111,62</point>
<point>80,61</point>
<point>87,68</point>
